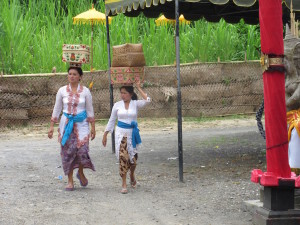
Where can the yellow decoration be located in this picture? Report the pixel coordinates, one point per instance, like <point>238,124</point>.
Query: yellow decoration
<point>91,85</point>
<point>293,120</point>
<point>266,62</point>
<point>162,20</point>
<point>91,17</point>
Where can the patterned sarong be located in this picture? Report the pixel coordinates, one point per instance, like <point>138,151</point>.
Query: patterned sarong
<point>124,160</point>
<point>72,156</point>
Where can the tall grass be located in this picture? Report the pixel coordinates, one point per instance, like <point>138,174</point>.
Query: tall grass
<point>32,33</point>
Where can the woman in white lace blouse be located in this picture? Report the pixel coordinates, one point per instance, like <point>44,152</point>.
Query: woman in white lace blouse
<point>75,101</point>
<point>127,136</point>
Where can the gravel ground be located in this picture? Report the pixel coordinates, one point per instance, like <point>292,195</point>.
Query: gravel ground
<point>218,159</point>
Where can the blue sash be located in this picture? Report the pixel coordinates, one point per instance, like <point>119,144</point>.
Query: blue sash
<point>69,127</point>
<point>136,138</point>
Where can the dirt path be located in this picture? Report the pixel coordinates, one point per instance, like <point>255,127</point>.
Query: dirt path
<point>218,159</point>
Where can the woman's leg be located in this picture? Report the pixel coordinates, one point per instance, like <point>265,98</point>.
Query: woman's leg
<point>123,163</point>
<point>70,180</point>
<point>132,170</point>
<point>82,178</point>
<point>124,184</point>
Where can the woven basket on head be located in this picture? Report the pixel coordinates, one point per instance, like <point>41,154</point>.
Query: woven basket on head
<point>128,55</point>
<point>129,59</point>
<point>127,48</point>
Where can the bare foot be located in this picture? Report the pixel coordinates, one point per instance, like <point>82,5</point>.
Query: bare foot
<point>124,190</point>
<point>83,181</point>
<point>133,184</point>
<point>132,180</point>
<point>69,187</point>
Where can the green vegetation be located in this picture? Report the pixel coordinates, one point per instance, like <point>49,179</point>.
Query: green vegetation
<point>32,33</point>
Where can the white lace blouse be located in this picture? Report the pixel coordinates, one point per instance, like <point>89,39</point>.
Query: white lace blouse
<point>119,112</point>
<point>74,103</point>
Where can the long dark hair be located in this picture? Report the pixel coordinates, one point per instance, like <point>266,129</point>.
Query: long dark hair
<point>79,70</point>
<point>130,90</point>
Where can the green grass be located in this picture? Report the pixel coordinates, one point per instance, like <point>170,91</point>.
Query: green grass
<point>32,33</point>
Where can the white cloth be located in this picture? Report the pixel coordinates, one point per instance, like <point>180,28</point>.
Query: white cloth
<point>294,150</point>
<point>74,103</point>
<point>119,112</point>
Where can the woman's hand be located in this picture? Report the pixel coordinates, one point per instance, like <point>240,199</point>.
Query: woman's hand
<point>138,84</point>
<point>104,139</point>
<point>93,133</point>
<point>50,132</point>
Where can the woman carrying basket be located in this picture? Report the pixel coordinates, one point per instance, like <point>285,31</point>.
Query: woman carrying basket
<point>127,133</point>
<point>75,101</point>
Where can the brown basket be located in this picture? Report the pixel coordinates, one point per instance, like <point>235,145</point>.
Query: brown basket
<point>127,48</point>
<point>129,59</point>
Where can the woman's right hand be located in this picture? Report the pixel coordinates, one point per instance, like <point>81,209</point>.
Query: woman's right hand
<point>138,84</point>
<point>50,132</point>
<point>104,139</point>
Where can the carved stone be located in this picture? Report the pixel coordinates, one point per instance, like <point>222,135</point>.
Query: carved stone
<point>292,66</point>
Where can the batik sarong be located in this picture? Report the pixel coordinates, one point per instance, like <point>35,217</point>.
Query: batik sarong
<point>124,161</point>
<point>72,156</point>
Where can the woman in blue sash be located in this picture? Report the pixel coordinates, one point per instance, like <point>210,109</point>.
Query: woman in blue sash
<point>75,101</point>
<point>127,134</point>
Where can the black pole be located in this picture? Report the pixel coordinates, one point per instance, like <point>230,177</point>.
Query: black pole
<point>179,113</point>
<point>111,91</point>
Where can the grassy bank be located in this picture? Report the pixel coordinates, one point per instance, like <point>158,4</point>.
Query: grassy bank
<point>32,33</point>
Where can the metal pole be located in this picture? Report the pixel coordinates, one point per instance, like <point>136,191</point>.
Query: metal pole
<point>110,85</point>
<point>179,114</point>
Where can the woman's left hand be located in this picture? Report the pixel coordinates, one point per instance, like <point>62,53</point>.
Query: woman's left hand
<point>50,132</point>
<point>93,133</point>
